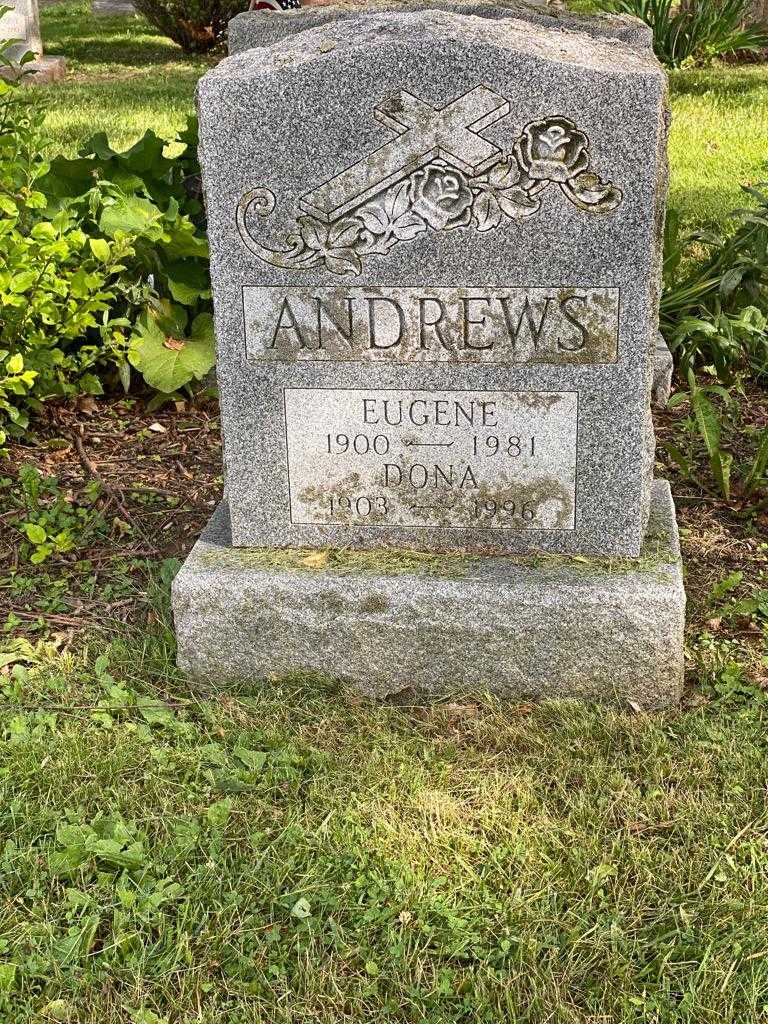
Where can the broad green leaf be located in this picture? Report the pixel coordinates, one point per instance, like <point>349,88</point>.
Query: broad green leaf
<point>7,977</point>
<point>100,249</point>
<point>44,230</point>
<point>146,156</point>
<point>64,862</point>
<point>726,585</point>
<point>218,813</point>
<point>171,319</point>
<point>678,458</point>
<point>111,852</point>
<point>15,364</point>
<point>301,909</point>
<point>155,713</point>
<point>23,281</point>
<point>253,759</point>
<point>188,281</point>
<point>707,421</point>
<point>759,465</point>
<point>184,243</point>
<point>167,362</point>
<point>721,468</point>
<point>35,533</point>
<point>132,214</point>
<point>41,552</point>
<point>67,178</point>
<point>97,145</point>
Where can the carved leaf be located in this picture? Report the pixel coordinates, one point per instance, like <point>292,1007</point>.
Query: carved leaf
<point>374,219</point>
<point>517,203</point>
<point>487,211</point>
<point>505,174</point>
<point>587,192</point>
<point>314,233</point>
<point>396,201</point>
<point>343,261</point>
<point>407,226</point>
<point>344,234</point>
<point>378,245</point>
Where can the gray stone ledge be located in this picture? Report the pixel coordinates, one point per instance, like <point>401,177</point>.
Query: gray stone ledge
<point>535,627</point>
<point>43,71</point>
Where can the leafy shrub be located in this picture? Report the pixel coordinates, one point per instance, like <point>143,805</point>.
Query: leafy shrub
<point>144,169</point>
<point>196,25</point>
<point>57,283</point>
<point>94,252</point>
<point>714,306</point>
<point>155,199</point>
<point>698,30</point>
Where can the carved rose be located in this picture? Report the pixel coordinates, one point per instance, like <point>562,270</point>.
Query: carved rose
<point>553,150</point>
<point>441,196</point>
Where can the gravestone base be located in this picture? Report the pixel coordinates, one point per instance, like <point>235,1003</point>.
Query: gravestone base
<point>392,622</point>
<point>44,71</point>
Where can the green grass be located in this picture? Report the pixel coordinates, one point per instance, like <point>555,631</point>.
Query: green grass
<point>124,78</point>
<point>293,854</point>
<point>719,138</point>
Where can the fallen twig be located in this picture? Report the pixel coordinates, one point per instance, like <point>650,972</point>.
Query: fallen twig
<point>89,467</point>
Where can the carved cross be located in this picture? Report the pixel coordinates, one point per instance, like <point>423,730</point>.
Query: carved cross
<point>424,134</point>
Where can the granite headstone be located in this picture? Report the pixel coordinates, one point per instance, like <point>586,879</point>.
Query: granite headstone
<point>435,254</point>
<point>21,23</point>
<point>462,208</point>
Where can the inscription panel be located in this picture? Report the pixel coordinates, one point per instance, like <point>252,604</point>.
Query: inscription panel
<point>449,459</point>
<point>563,326</point>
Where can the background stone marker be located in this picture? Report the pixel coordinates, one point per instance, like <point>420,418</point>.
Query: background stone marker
<point>435,251</point>
<point>108,8</point>
<point>251,29</point>
<point>22,22</point>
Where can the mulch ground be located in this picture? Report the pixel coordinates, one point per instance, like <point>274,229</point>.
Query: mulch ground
<point>157,476</point>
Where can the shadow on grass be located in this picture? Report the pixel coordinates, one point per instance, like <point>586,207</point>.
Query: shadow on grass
<point>728,82</point>
<point>130,41</point>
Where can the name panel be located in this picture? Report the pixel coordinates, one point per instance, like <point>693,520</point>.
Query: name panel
<point>448,459</point>
<point>564,326</point>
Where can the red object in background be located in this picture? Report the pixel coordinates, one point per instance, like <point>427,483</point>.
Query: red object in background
<point>275,5</point>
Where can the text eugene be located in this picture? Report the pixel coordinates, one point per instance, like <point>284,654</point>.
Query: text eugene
<point>564,325</point>
<point>414,458</point>
<point>437,412</point>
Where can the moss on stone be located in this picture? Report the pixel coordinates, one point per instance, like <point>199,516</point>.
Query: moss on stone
<point>342,561</point>
<point>656,555</point>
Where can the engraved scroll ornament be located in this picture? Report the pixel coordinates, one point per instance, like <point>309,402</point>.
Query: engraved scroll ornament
<point>438,174</point>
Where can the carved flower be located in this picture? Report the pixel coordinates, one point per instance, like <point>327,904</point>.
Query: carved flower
<point>498,194</point>
<point>588,192</point>
<point>553,150</point>
<point>334,243</point>
<point>440,194</point>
